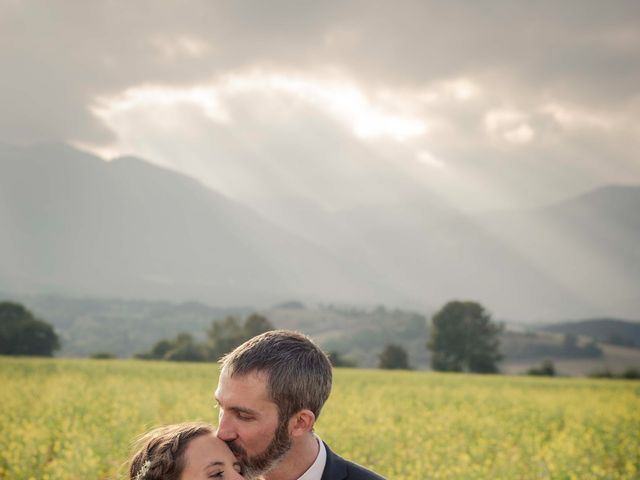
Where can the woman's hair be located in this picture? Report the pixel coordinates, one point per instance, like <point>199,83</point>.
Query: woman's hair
<point>160,453</point>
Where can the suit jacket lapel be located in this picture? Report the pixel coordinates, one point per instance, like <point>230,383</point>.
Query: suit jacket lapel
<point>335,468</point>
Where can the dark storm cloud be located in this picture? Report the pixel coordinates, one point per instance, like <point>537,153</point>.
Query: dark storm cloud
<point>574,47</point>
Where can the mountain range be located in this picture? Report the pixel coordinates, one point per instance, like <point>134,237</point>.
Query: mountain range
<point>72,223</point>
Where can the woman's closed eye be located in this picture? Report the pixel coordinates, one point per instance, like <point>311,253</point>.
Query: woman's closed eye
<point>221,473</point>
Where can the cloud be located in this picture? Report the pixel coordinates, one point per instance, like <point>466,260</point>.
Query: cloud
<point>509,125</point>
<point>260,139</point>
<point>179,46</point>
<point>429,159</point>
<point>405,78</point>
<point>573,118</point>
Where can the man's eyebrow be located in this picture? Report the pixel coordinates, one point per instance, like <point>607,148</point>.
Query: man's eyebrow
<point>238,409</point>
<point>246,411</point>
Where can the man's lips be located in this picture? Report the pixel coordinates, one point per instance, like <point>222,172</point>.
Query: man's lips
<point>238,451</point>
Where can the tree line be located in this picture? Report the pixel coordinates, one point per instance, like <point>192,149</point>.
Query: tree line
<point>463,338</point>
<point>222,337</point>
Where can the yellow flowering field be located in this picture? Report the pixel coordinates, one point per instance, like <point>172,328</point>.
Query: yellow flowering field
<point>75,419</point>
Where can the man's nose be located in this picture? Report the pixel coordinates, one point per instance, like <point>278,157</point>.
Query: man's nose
<point>225,430</point>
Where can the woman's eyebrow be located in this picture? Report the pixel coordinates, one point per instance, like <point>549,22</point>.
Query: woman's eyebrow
<point>215,463</point>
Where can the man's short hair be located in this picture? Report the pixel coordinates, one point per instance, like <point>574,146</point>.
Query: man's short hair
<point>298,373</point>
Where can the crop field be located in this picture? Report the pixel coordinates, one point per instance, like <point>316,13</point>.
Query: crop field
<point>76,419</point>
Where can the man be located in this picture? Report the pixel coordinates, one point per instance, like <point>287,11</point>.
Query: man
<point>270,393</point>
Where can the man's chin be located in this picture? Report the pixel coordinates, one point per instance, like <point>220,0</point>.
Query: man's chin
<point>259,464</point>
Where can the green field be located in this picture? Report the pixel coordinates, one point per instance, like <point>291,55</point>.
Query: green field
<point>75,419</point>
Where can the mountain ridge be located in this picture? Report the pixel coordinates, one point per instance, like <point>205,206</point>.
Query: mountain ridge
<point>76,224</point>
<point>67,210</point>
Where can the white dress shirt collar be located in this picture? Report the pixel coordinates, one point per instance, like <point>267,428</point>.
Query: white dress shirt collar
<point>315,470</point>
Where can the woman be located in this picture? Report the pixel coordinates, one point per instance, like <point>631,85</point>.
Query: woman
<point>185,451</point>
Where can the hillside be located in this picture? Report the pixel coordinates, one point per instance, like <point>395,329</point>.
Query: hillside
<point>120,327</point>
<point>573,259</point>
<point>606,330</point>
<point>577,348</point>
<point>614,359</point>
<point>359,335</point>
<point>588,247</point>
<point>75,224</point>
<point>124,327</point>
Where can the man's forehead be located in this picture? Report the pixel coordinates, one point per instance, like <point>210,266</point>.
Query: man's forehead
<point>250,386</point>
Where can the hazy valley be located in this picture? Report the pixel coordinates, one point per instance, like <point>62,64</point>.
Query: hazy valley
<point>75,225</point>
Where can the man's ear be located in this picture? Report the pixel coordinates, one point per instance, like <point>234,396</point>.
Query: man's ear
<point>301,422</point>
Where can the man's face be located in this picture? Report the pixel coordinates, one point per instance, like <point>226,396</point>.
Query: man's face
<point>248,421</point>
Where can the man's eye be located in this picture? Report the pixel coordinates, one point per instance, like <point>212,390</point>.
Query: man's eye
<point>244,417</point>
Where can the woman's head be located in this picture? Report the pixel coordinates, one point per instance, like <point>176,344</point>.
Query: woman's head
<point>185,451</point>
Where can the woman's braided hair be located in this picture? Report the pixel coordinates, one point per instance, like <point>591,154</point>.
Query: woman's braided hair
<point>160,453</point>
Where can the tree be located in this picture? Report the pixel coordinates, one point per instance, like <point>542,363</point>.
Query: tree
<point>227,334</point>
<point>255,325</point>
<point>394,357</point>
<point>183,348</point>
<point>339,360</point>
<point>464,338</point>
<point>631,373</point>
<point>224,336</point>
<point>161,348</point>
<point>547,369</point>
<point>23,334</point>
<point>103,356</point>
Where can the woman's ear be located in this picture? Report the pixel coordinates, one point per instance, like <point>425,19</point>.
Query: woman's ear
<point>301,422</point>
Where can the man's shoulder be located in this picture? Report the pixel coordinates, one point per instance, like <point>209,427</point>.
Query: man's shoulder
<point>358,472</point>
<point>338,468</point>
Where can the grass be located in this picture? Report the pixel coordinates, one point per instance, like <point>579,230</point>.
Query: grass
<point>75,419</point>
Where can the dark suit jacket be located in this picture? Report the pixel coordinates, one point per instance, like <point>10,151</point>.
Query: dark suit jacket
<point>337,468</point>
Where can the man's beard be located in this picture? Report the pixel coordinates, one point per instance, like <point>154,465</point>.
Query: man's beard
<point>263,462</point>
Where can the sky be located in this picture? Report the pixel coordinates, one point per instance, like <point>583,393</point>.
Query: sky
<point>485,105</point>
